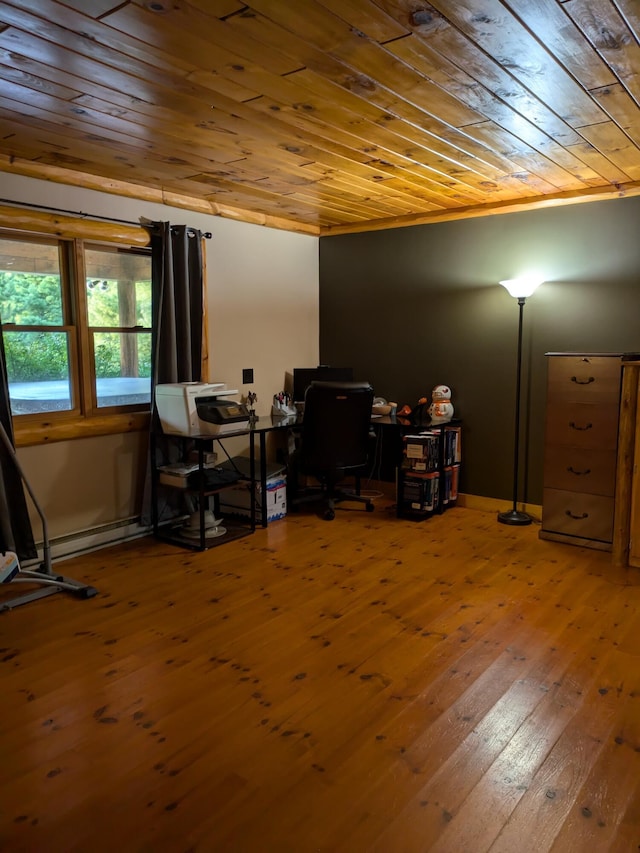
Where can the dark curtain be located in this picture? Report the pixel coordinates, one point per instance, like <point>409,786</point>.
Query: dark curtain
<point>177,290</point>
<point>15,526</point>
<point>177,295</point>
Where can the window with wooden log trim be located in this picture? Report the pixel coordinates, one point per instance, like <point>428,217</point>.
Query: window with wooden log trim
<point>76,326</point>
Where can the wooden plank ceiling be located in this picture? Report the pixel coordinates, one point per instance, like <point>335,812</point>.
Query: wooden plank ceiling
<point>326,116</point>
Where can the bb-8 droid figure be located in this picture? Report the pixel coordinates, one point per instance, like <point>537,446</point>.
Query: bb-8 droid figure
<point>441,408</point>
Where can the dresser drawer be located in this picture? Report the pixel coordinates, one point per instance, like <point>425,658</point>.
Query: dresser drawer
<point>577,514</point>
<point>589,379</point>
<point>575,469</point>
<point>582,425</point>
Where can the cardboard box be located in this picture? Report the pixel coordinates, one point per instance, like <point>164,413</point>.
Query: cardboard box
<point>238,501</point>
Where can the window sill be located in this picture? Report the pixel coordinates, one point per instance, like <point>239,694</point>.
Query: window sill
<point>46,432</point>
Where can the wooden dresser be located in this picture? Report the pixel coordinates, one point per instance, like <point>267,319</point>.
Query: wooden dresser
<point>581,441</point>
<point>626,528</point>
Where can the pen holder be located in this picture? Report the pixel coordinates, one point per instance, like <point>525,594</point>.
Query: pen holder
<point>281,410</point>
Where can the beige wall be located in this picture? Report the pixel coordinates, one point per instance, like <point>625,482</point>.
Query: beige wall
<point>87,483</point>
<point>262,288</point>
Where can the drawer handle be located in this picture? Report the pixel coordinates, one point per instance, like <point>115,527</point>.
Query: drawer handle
<point>583,381</point>
<point>578,473</point>
<point>577,517</point>
<point>573,425</point>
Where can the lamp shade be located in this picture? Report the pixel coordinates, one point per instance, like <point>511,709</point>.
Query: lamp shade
<point>520,288</point>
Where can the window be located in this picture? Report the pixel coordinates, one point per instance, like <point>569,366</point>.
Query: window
<point>119,319</point>
<point>76,324</point>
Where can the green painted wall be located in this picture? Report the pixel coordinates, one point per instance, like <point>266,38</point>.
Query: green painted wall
<point>412,307</point>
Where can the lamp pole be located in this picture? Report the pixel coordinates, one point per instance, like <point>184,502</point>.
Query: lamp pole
<point>513,516</point>
<point>520,288</point>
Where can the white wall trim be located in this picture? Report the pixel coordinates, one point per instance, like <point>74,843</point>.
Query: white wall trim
<point>92,539</point>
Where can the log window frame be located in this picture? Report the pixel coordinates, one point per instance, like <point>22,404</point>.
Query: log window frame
<point>85,418</point>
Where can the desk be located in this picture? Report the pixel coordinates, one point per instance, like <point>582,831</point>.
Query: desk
<point>388,451</point>
<point>261,427</point>
<point>386,460</point>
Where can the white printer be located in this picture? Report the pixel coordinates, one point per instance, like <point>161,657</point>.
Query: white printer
<point>199,408</point>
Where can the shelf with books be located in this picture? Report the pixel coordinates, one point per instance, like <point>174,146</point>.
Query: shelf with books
<point>427,479</point>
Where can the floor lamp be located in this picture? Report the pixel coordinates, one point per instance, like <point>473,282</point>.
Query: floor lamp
<point>519,288</point>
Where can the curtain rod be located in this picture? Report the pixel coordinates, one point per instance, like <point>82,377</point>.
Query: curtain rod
<point>81,214</point>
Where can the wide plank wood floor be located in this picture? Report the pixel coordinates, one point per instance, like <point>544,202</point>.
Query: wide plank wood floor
<point>366,684</point>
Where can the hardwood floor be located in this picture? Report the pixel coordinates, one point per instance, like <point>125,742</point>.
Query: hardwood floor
<point>366,684</point>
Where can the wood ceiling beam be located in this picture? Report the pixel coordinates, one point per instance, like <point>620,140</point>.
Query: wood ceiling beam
<point>516,206</point>
<point>157,196</point>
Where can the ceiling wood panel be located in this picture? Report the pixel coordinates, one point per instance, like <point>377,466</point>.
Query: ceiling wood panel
<point>607,31</point>
<point>326,116</point>
<point>548,22</point>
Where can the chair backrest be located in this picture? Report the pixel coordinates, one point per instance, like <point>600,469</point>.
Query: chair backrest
<point>335,427</point>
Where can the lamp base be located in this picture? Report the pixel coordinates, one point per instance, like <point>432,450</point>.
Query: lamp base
<point>512,516</point>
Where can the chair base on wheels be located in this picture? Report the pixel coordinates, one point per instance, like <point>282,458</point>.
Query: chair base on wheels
<point>329,497</point>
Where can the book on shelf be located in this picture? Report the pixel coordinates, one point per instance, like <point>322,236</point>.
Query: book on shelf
<point>421,451</point>
<point>421,492</point>
<point>452,445</point>
<point>450,482</point>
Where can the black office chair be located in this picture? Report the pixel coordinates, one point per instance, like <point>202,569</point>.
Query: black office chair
<point>334,442</point>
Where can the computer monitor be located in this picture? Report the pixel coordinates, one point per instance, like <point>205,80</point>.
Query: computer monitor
<point>304,376</point>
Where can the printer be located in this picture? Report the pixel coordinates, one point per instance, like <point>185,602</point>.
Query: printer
<point>199,408</point>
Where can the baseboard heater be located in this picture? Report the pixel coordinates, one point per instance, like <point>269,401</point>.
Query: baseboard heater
<point>93,538</point>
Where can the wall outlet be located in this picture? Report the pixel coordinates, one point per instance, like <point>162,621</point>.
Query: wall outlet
<point>247,375</point>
